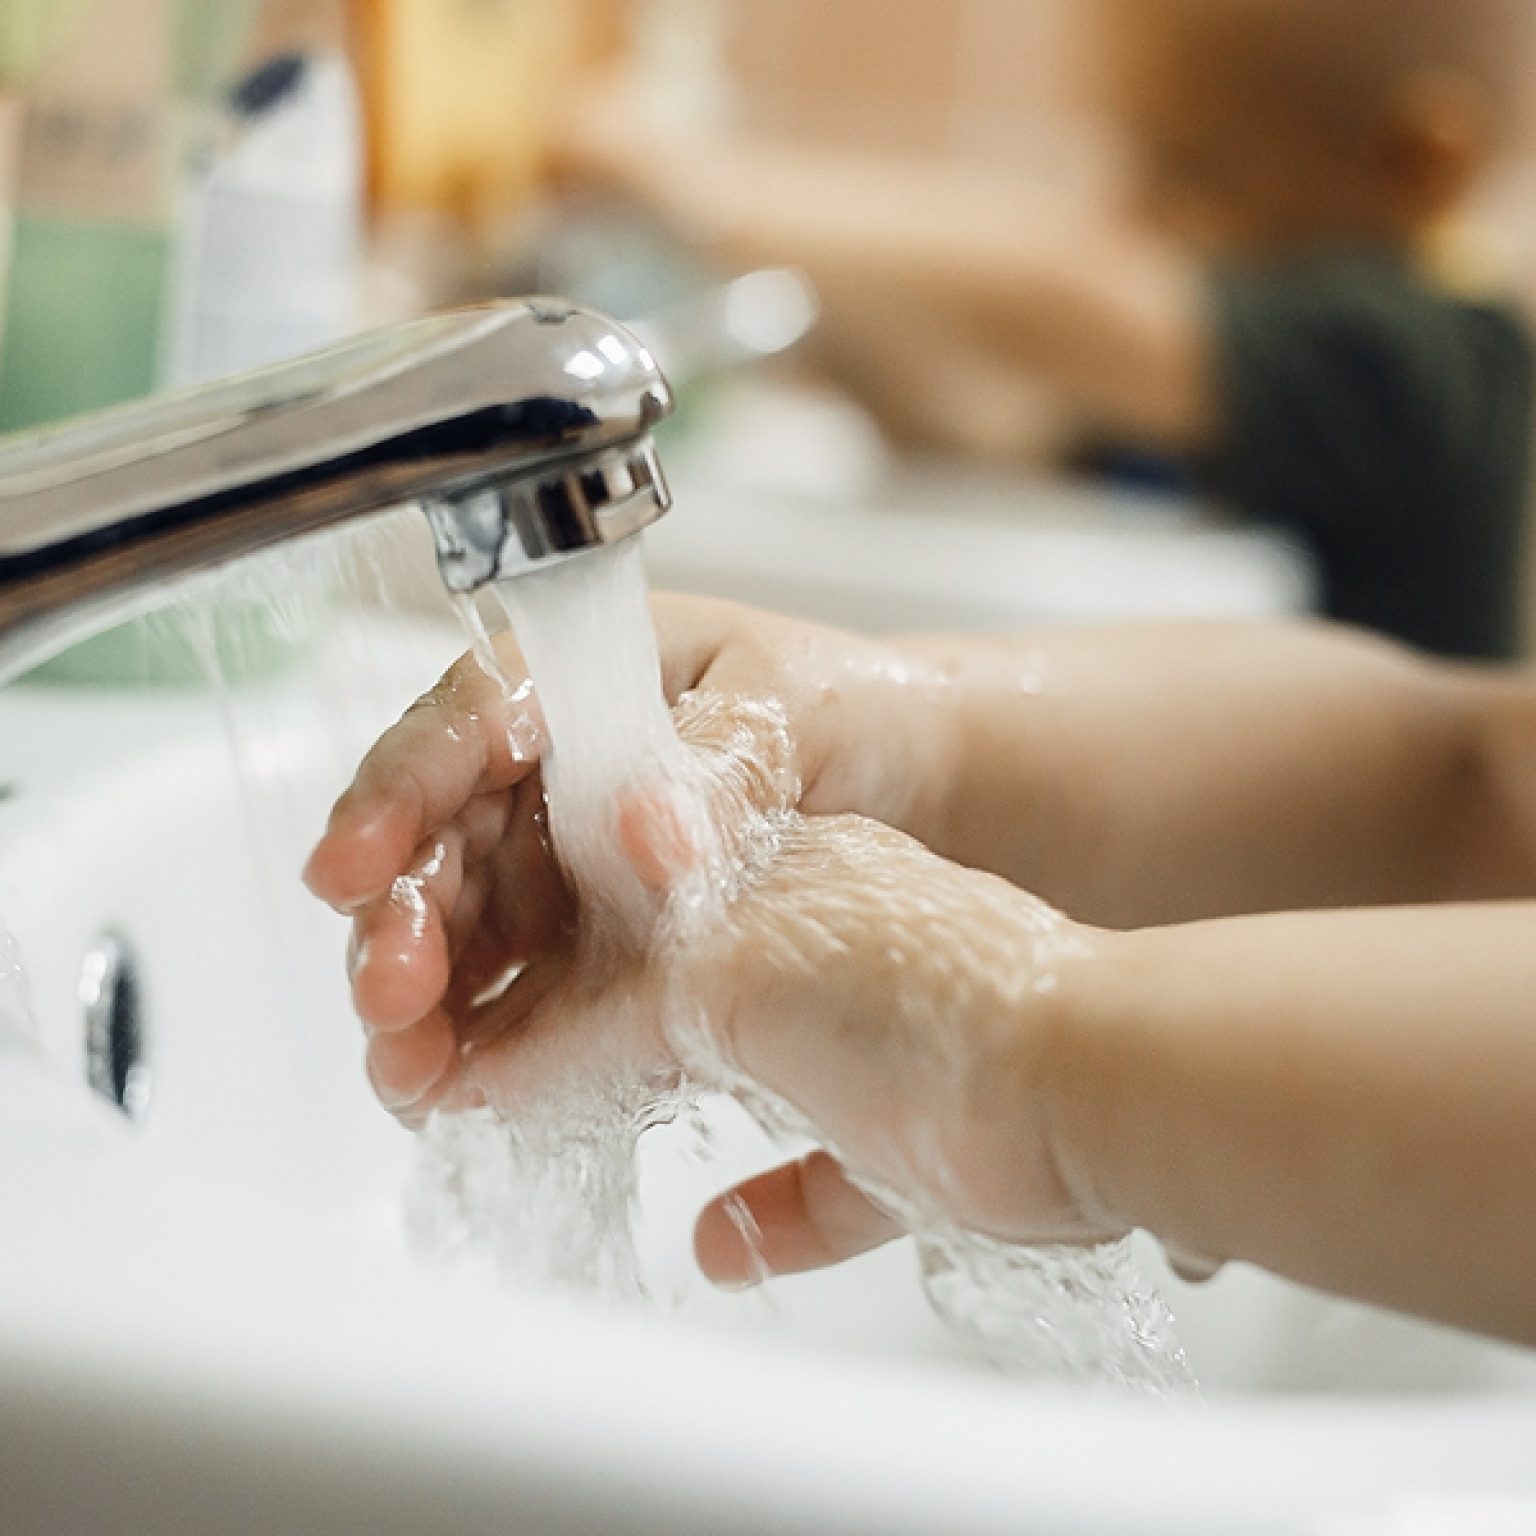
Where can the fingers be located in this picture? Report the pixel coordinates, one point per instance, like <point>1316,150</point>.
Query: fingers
<point>462,739</point>
<point>655,839</point>
<point>691,633</point>
<point>666,831</point>
<point>728,715</point>
<point>483,897</point>
<point>406,1065</point>
<point>750,708</point>
<point>542,1040</point>
<point>452,888</point>
<point>400,960</point>
<point>805,1215</point>
<point>419,1071</point>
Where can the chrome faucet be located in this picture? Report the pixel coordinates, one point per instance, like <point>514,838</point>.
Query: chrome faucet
<point>523,429</point>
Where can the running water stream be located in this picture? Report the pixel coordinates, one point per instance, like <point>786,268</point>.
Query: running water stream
<point>549,1192</point>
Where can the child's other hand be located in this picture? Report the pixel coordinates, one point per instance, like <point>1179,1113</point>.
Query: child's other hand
<point>912,1014</point>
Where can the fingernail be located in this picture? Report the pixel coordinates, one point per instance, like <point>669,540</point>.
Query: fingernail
<point>736,1286</point>
<point>396,1103</point>
<point>345,906</point>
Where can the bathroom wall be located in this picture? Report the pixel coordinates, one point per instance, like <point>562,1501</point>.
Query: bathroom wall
<point>989,81</point>
<point>993,82</point>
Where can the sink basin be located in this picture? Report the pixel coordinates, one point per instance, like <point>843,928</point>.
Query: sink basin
<point>785,504</point>
<point>209,1319</point>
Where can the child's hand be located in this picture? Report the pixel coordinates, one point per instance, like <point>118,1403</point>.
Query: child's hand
<point>909,1014</point>
<point>437,850</point>
<point>904,1010</point>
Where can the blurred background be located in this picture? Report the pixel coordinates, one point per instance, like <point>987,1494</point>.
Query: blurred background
<point>192,187</point>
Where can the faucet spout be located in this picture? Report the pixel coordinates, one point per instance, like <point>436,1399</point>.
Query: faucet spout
<point>522,427</point>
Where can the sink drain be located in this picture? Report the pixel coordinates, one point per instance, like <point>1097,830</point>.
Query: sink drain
<point>115,1063</point>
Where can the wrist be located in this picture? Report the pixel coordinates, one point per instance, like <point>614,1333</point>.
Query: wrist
<point>1126,1121</point>
<point>1021,977</point>
<point>1063,1026</point>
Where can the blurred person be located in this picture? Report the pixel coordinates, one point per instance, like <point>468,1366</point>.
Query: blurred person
<point>1281,309</point>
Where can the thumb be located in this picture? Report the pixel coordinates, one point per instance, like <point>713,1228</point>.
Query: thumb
<point>742,750</point>
<point>655,837</point>
<point>803,1215</point>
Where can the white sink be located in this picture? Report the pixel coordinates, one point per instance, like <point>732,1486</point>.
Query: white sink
<point>786,504</point>
<point>211,1323</point>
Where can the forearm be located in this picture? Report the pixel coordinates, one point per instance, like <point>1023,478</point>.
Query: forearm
<point>1156,774</point>
<point>1346,1099</point>
<point>1110,321</point>
<point>931,385</point>
<point>1112,326</point>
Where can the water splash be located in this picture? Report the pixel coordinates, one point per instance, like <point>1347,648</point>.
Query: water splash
<point>1077,1314</point>
<point>547,1197</point>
